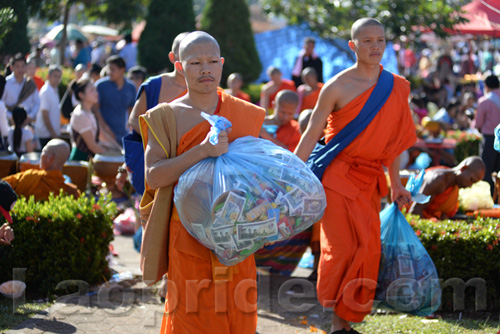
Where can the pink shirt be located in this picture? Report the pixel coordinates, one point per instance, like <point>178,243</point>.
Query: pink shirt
<point>488,115</point>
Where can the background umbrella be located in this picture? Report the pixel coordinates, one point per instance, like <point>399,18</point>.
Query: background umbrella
<point>55,34</point>
<point>99,30</point>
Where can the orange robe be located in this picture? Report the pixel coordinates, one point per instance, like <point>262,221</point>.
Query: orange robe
<point>444,203</point>
<point>244,96</point>
<point>309,101</point>
<point>285,84</point>
<point>289,134</point>
<point>354,185</point>
<point>195,304</point>
<point>40,183</point>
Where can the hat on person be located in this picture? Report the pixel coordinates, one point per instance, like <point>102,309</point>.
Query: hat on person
<point>7,199</point>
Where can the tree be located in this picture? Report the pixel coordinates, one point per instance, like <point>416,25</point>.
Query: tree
<point>229,22</point>
<point>16,37</point>
<point>164,21</point>
<point>334,18</point>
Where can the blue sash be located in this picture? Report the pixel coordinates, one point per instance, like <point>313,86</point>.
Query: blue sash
<point>132,143</point>
<point>323,155</point>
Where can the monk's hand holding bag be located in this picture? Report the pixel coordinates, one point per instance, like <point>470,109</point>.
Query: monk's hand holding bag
<point>408,280</point>
<point>255,193</point>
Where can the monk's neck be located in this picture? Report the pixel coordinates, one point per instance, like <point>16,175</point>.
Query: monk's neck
<point>368,72</point>
<point>177,79</point>
<point>204,102</point>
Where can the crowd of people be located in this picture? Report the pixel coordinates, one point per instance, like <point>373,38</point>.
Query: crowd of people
<point>110,107</point>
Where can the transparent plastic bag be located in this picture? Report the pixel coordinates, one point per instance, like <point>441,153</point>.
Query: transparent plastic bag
<point>408,280</point>
<point>256,193</point>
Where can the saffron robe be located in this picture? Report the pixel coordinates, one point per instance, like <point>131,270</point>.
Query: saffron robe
<point>354,185</point>
<point>309,101</point>
<point>444,203</point>
<point>285,84</point>
<point>40,183</point>
<point>289,134</point>
<point>195,303</point>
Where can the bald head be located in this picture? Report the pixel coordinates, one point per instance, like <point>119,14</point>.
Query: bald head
<point>54,154</point>
<point>287,96</point>
<point>363,23</point>
<point>195,38</point>
<point>304,117</point>
<point>177,42</point>
<point>470,171</point>
<point>474,162</point>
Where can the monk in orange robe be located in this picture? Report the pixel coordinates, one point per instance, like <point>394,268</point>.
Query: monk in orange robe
<point>234,84</point>
<point>49,178</point>
<point>443,183</point>
<point>203,295</point>
<point>281,128</point>
<point>309,91</point>
<point>273,87</point>
<point>355,182</point>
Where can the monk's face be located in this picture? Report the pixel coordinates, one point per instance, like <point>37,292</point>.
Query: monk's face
<point>369,45</point>
<point>202,67</point>
<point>468,176</point>
<point>285,112</point>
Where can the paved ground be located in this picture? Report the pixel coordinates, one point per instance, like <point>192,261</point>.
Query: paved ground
<point>286,305</point>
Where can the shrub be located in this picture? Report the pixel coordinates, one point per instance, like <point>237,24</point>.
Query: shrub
<point>60,239</point>
<point>464,250</point>
<point>467,144</point>
<point>254,91</point>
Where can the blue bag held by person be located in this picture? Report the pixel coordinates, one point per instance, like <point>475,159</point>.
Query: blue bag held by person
<point>322,155</point>
<point>408,280</point>
<point>255,193</point>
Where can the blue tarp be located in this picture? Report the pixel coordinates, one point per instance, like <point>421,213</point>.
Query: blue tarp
<point>280,48</point>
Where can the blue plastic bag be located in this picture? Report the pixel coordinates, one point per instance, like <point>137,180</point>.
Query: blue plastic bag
<point>496,143</point>
<point>408,280</point>
<point>255,193</point>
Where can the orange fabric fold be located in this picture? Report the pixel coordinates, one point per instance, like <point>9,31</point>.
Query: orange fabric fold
<point>309,101</point>
<point>285,84</point>
<point>445,203</point>
<point>205,296</point>
<point>289,134</point>
<point>354,185</point>
<point>40,183</point>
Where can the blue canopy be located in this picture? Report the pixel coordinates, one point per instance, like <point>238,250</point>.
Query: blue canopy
<point>280,48</point>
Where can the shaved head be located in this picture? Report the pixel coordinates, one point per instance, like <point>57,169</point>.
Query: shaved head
<point>195,38</point>
<point>363,23</point>
<point>177,42</point>
<point>474,162</point>
<point>54,154</point>
<point>287,96</point>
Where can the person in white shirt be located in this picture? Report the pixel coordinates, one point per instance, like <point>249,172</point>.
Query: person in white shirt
<point>48,119</point>
<point>4,122</point>
<point>19,91</point>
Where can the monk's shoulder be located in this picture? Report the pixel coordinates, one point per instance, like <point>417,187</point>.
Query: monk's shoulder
<point>436,181</point>
<point>401,85</point>
<point>245,107</point>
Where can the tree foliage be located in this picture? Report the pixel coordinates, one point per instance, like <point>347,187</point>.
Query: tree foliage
<point>334,18</point>
<point>165,20</point>
<point>229,22</point>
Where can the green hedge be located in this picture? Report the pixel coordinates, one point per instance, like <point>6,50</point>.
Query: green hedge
<point>60,239</point>
<point>464,250</point>
<point>467,144</point>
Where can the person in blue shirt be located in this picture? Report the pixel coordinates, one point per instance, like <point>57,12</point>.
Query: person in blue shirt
<point>447,116</point>
<point>116,99</point>
<point>82,55</point>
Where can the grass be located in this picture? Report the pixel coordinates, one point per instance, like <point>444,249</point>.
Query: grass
<point>401,324</point>
<point>9,318</point>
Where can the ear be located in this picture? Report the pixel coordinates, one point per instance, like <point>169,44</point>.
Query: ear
<point>171,57</point>
<point>222,60</point>
<point>351,45</point>
<point>178,67</point>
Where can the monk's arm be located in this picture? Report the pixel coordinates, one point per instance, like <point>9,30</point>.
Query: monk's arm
<point>264,97</point>
<point>140,107</point>
<point>398,193</point>
<point>162,172</point>
<point>430,187</point>
<point>316,126</point>
<point>266,135</point>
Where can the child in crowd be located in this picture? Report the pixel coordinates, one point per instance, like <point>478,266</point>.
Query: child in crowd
<point>83,125</point>
<point>20,137</point>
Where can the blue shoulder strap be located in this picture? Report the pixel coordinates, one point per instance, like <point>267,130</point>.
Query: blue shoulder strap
<point>323,155</point>
<point>152,87</point>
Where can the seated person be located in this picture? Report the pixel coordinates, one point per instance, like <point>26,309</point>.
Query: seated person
<point>281,128</point>
<point>447,116</point>
<point>234,84</point>
<point>270,89</point>
<point>443,183</point>
<point>83,125</point>
<point>7,200</point>
<point>49,178</point>
<point>309,91</point>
